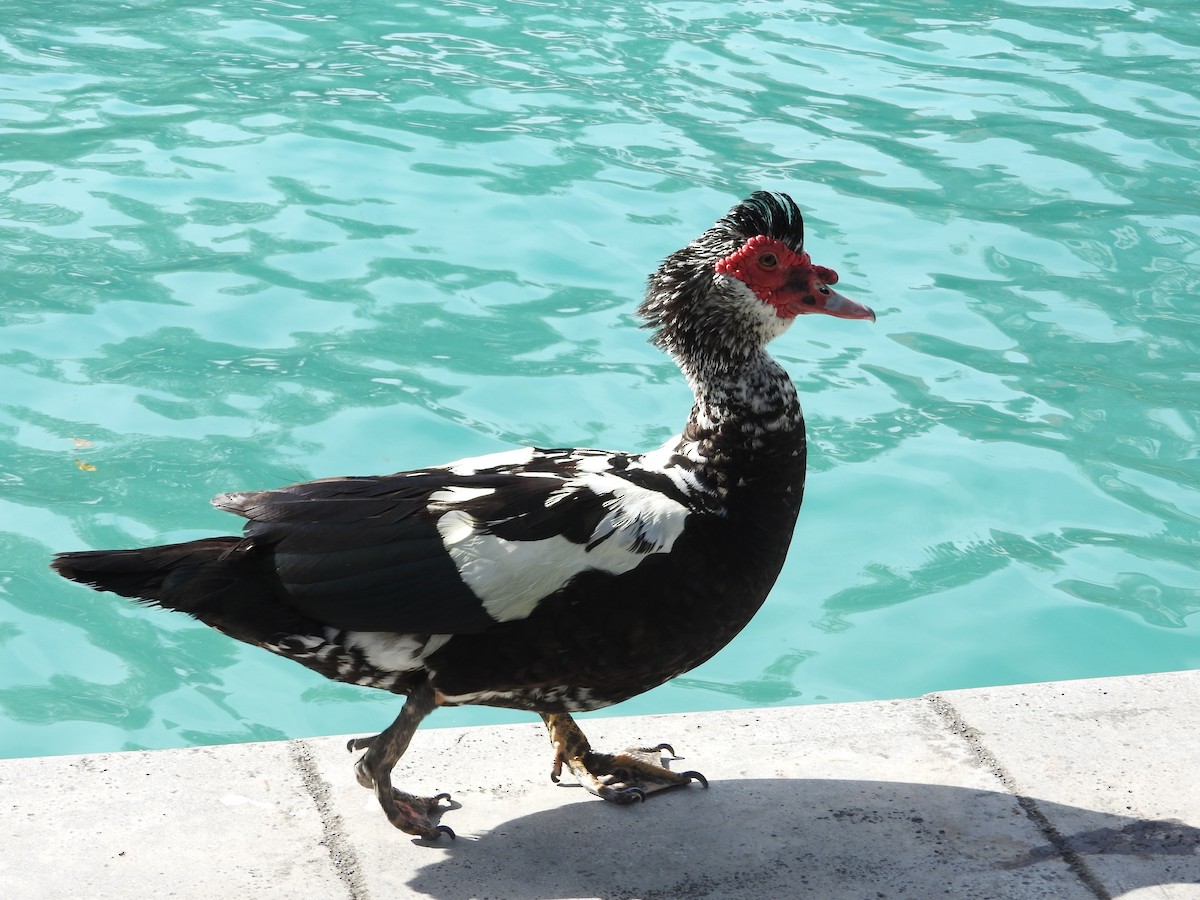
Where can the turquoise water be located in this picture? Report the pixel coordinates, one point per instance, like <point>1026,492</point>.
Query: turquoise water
<point>246,245</point>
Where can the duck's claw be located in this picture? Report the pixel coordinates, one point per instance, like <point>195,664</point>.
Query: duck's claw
<point>630,776</point>
<point>408,812</point>
<point>362,743</point>
<point>622,778</point>
<point>411,814</point>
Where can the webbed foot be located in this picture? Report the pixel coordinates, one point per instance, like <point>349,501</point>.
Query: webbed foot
<point>622,778</point>
<point>408,812</point>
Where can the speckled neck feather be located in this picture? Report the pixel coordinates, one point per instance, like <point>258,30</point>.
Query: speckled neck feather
<point>744,400</point>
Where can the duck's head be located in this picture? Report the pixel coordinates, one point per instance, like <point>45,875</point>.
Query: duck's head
<point>741,284</point>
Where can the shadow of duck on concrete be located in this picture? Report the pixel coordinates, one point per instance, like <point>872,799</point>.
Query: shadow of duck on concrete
<point>817,838</point>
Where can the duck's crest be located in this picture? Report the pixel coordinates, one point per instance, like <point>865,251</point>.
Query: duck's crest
<point>772,214</point>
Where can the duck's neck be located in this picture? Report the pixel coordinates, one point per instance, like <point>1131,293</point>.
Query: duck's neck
<point>746,426</point>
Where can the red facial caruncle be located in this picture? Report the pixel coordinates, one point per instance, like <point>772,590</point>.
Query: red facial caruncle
<point>788,280</point>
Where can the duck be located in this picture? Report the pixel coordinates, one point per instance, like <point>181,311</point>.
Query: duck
<point>555,581</point>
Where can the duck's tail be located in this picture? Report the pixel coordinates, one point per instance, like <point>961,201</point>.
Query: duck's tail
<point>219,580</point>
<point>151,574</point>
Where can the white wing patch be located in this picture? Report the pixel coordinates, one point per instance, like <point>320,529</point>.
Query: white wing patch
<point>522,456</point>
<point>456,527</point>
<point>659,461</point>
<point>512,577</point>
<point>448,496</point>
<point>641,520</point>
<point>597,463</point>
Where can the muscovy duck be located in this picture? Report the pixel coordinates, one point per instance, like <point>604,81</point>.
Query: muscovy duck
<point>554,581</point>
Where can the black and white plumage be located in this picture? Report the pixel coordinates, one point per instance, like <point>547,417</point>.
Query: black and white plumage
<point>548,580</point>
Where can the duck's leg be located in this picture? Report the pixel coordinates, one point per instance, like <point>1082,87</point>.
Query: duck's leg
<point>408,813</point>
<point>619,778</point>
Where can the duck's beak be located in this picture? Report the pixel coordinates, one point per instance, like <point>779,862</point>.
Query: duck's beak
<point>835,304</point>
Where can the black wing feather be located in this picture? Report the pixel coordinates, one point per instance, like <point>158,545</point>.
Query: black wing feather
<point>361,554</point>
<point>364,554</point>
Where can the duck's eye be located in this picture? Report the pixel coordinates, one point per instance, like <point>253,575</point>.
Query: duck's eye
<point>823,289</point>
<point>768,260</point>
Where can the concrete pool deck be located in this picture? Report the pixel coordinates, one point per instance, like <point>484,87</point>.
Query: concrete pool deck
<point>1078,789</point>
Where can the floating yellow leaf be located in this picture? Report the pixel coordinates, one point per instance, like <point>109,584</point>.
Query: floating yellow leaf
<point>84,466</point>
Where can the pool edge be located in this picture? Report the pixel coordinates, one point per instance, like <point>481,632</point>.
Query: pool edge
<point>1060,789</point>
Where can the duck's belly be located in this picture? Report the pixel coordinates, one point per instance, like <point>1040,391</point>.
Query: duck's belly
<point>599,643</point>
